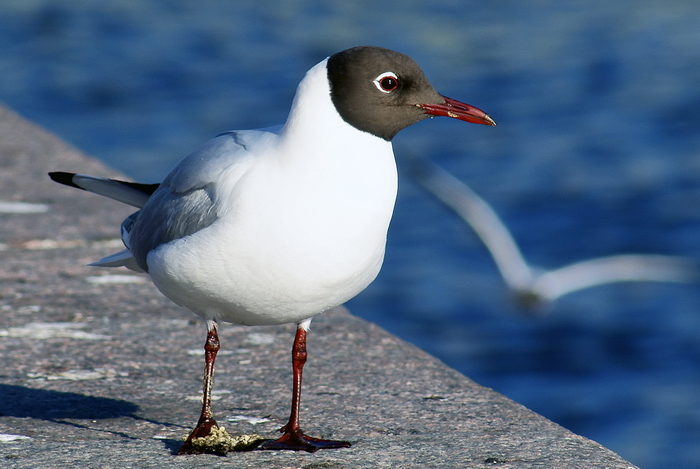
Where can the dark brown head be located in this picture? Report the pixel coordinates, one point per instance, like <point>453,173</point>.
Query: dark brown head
<point>381,91</point>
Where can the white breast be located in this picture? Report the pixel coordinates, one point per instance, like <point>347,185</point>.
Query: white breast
<point>302,231</point>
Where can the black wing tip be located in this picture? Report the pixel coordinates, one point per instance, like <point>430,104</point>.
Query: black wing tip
<point>64,178</point>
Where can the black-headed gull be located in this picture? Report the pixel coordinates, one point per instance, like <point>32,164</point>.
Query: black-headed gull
<point>533,288</point>
<point>277,225</point>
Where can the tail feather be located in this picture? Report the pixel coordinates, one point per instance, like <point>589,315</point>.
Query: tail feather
<point>119,259</point>
<point>131,193</point>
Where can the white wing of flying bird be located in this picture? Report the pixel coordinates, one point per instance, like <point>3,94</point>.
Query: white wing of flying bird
<point>481,218</point>
<point>534,288</point>
<point>611,269</point>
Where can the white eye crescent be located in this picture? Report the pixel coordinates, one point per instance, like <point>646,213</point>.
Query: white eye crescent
<point>386,82</point>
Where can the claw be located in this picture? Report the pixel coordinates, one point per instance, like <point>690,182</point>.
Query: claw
<point>202,430</point>
<point>297,441</point>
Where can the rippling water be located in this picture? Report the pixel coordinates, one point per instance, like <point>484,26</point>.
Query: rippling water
<point>597,152</point>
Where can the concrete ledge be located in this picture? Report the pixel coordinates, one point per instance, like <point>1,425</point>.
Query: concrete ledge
<point>100,370</point>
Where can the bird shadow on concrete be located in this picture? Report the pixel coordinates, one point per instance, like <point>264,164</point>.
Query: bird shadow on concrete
<point>66,407</point>
<point>24,402</point>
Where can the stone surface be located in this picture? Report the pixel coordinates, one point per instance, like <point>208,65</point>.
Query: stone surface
<point>100,370</point>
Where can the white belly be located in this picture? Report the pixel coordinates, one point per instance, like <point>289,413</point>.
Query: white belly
<point>268,288</point>
<point>284,254</point>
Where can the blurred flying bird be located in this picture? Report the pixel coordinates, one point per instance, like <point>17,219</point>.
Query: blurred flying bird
<point>532,287</point>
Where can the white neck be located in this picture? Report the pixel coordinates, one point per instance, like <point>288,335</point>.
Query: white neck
<point>314,120</point>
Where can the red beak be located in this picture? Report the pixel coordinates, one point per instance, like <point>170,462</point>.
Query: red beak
<point>458,110</point>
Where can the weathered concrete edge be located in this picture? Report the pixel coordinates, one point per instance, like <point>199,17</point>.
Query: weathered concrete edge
<point>28,152</point>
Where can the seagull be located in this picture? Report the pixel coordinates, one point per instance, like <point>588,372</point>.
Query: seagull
<point>275,226</point>
<point>535,288</point>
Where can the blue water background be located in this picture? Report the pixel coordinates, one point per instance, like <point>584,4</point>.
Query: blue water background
<point>597,152</point>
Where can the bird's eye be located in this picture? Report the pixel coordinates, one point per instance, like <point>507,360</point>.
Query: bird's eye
<point>386,82</point>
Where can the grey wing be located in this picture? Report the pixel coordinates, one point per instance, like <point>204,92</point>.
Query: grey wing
<point>186,200</point>
<point>168,216</point>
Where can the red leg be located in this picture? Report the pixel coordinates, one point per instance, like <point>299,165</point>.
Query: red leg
<point>206,419</point>
<point>293,438</point>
